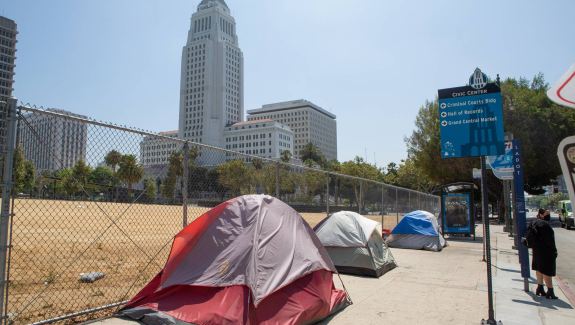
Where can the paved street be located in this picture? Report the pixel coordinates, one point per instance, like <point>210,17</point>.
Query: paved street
<point>565,241</point>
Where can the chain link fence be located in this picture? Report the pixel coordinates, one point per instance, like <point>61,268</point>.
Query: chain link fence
<point>95,207</point>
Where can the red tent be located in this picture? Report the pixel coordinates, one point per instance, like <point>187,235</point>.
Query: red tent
<point>250,260</point>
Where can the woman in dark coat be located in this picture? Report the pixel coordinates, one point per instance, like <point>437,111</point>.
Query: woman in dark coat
<point>544,253</point>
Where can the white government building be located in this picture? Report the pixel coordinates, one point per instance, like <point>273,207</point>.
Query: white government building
<point>53,143</point>
<point>212,102</point>
<point>309,123</point>
<point>264,138</point>
<point>211,89</point>
<point>157,150</point>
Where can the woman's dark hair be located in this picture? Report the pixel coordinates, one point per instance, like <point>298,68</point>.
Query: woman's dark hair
<point>541,211</point>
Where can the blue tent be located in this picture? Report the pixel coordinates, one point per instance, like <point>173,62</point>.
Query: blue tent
<point>417,230</point>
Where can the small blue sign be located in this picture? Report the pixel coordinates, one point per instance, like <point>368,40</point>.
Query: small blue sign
<point>471,121</point>
<point>520,217</point>
<point>457,213</point>
<point>502,166</point>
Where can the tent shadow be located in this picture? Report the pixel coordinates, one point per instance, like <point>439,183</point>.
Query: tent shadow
<point>328,319</point>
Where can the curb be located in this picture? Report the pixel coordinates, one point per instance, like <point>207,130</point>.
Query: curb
<point>569,293</point>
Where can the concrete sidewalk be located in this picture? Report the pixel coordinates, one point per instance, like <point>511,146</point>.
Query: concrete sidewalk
<point>448,287</point>
<point>513,306</point>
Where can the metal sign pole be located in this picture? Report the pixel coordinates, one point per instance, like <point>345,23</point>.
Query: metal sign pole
<point>485,207</point>
<point>484,204</point>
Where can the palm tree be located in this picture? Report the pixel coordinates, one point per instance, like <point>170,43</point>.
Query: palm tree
<point>113,159</point>
<point>311,152</point>
<point>285,156</point>
<point>130,171</point>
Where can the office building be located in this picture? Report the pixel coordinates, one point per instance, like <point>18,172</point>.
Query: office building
<point>53,143</point>
<point>8,32</point>
<point>264,138</point>
<point>211,89</point>
<point>157,150</point>
<point>309,123</point>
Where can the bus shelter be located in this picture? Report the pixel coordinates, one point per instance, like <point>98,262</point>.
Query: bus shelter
<point>458,209</point>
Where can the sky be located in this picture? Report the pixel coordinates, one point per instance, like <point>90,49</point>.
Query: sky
<point>373,63</point>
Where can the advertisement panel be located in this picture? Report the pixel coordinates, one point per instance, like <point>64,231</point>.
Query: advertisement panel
<point>457,213</point>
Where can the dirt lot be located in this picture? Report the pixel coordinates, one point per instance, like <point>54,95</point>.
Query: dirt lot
<point>55,241</point>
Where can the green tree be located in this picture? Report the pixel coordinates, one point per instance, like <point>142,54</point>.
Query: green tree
<point>129,171</point>
<point>113,159</point>
<point>81,172</point>
<point>102,179</point>
<point>198,179</point>
<point>257,163</point>
<point>286,156</point>
<point>175,172</point>
<point>150,188</point>
<point>359,168</point>
<point>311,152</point>
<point>74,180</point>
<point>234,175</point>
<point>168,187</point>
<point>409,176</point>
<point>312,184</point>
<point>67,184</point>
<point>540,125</point>
<point>213,183</point>
<point>24,172</point>
<point>391,171</point>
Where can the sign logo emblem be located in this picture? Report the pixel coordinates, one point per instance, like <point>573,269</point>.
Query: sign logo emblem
<point>478,79</point>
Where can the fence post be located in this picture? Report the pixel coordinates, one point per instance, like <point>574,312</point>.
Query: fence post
<point>278,180</point>
<point>419,201</point>
<point>5,213</point>
<point>359,207</point>
<point>327,195</point>
<point>382,207</point>
<point>396,207</point>
<point>186,176</point>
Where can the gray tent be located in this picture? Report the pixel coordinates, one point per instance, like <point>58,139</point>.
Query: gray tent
<point>355,244</point>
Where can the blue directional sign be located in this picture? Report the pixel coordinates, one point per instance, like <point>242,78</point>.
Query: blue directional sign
<point>471,121</point>
<point>502,166</point>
